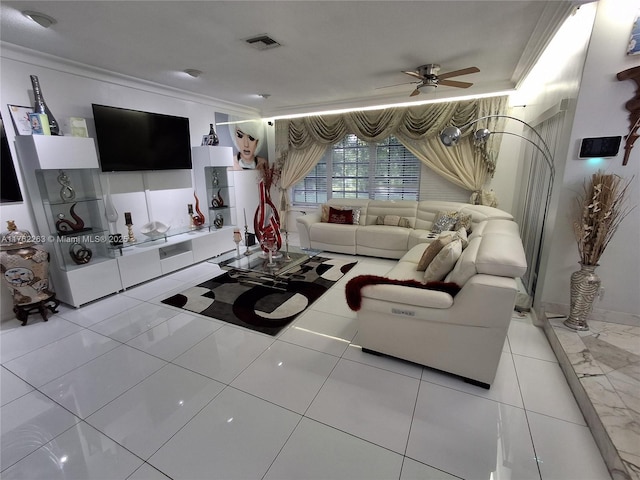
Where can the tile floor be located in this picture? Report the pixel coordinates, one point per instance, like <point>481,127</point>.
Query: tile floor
<point>128,388</point>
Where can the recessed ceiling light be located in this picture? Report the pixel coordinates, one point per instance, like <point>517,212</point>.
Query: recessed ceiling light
<point>264,95</point>
<point>193,72</point>
<point>40,18</point>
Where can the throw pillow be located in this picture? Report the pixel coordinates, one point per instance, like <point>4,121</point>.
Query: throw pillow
<point>324,213</point>
<point>461,233</point>
<point>444,221</point>
<point>431,251</point>
<point>444,262</point>
<point>464,221</point>
<point>343,217</point>
<point>393,220</point>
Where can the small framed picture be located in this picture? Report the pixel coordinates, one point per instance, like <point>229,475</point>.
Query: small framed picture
<point>20,119</point>
<point>207,140</point>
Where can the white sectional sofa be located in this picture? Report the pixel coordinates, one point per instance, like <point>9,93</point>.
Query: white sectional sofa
<point>368,238</point>
<point>461,326</point>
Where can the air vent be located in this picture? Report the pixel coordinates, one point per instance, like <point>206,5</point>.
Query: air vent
<point>262,42</point>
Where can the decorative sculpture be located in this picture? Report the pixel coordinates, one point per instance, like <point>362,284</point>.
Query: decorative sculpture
<point>65,226</point>
<point>633,106</point>
<point>198,217</point>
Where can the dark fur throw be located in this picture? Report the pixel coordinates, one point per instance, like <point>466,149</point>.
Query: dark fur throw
<point>353,287</point>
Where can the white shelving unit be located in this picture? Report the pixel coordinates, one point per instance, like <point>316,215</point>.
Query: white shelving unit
<point>44,158</point>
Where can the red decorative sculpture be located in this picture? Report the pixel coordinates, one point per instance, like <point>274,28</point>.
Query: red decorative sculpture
<point>633,106</point>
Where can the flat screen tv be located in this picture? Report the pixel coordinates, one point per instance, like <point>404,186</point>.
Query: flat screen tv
<point>131,140</point>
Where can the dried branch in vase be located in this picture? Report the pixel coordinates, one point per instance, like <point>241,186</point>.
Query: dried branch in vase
<point>600,210</point>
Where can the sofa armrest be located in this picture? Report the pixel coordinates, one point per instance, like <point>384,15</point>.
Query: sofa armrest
<point>304,223</point>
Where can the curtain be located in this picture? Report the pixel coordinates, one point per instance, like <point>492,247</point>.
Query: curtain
<point>296,164</point>
<point>305,139</point>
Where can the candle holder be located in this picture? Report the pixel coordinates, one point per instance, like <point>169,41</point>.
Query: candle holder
<point>132,238</point>
<point>237,238</point>
<point>246,239</point>
<point>287,258</point>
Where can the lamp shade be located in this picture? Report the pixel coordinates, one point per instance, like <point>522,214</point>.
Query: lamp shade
<point>450,136</point>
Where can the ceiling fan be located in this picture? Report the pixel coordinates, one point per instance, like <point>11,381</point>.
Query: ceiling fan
<point>429,78</point>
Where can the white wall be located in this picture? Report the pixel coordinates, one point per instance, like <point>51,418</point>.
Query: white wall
<point>70,90</point>
<point>600,111</point>
<point>581,66</point>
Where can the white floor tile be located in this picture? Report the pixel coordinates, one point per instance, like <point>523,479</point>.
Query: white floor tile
<point>504,389</point>
<point>333,302</point>
<point>152,289</point>
<point>316,451</point>
<point>79,453</point>
<point>412,470</point>
<point>145,417</point>
<point>545,389</point>
<point>287,375</point>
<point>26,339</point>
<point>147,472</point>
<point>94,384</point>
<point>354,352</point>
<point>60,357</point>
<point>225,353</point>
<point>175,336</point>
<point>370,403</point>
<point>321,331</point>
<point>100,310</point>
<point>469,436</point>
<point>528,340</point>
<point>11,387</point>
<point>566,450</point>
<point>127,325</point>
<point>28,423</point>
<point>236,436</point>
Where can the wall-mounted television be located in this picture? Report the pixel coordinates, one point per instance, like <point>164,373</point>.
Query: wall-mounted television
<point>132,140</point>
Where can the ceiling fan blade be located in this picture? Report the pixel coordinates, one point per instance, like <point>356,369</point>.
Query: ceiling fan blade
<point>396,85</point>
<point>454,83</point>
<point>415,92</point>
<point>455,73</point>
<point>413,74</point>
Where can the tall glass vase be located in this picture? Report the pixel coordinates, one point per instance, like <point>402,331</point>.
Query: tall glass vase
<point>585,285</point>
<point>266,221</point>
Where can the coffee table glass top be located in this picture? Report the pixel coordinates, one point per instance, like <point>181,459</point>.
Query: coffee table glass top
<point>258,262</point>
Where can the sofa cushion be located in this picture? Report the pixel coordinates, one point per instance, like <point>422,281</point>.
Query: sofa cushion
<point>501,254</point>
<point>465,267</point>
<point>464,221</point>
<point>393,220</point>
<point>431,251</point>
<point>383,237</point>
<point>343,217</point>
<point>333,234</point>
<point>444,261</point>
<point>444,221</point>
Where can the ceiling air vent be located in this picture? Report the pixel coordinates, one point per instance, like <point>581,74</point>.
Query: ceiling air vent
<point>262,42</point>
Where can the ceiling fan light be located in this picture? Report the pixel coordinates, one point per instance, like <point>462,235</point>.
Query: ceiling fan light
<point>427,88</point>
<point>40,18</point>
<point>450,136</point>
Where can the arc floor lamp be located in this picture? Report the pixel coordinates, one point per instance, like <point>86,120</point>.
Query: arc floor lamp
<point>450,136</point>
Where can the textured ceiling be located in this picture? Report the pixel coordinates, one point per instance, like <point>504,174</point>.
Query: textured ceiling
<point>332,53</point>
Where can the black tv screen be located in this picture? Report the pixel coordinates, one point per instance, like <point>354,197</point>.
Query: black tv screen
<point>131,140</point>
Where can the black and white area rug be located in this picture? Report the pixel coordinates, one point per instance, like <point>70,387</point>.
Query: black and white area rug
<point>268,307</point>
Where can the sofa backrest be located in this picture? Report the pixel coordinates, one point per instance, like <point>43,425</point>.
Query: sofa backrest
<point>495,248</point>
<point>402,208</point>
<point>429,209</point>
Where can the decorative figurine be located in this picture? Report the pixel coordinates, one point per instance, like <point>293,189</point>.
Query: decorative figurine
<point>65,226</point>
<point>217,201</point>
<point>80,253</point>
<point>218,221</point>
<point>67,193</point>
<point>198,217</point>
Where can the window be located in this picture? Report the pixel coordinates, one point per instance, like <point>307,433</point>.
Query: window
<point>353,168</point>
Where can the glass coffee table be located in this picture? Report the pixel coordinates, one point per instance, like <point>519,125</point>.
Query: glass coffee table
<point>254,267</point>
